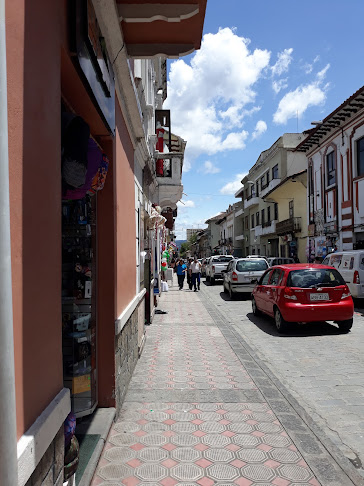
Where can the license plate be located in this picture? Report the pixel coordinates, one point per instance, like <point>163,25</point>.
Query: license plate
<point>247,279</point>
<point>316,297</point>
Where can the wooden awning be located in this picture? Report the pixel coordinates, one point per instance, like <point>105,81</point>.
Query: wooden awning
<point>171,28</point>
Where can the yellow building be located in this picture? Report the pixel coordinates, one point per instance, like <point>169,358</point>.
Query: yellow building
<point>291,227</point>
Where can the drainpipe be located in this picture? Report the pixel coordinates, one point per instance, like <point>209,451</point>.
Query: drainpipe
<point>8,442</point>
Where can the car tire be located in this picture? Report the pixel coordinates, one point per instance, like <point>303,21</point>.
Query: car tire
<point>345,326</point>
<point>256,311</point>
<point>281,324</point>
<point>212,281</point>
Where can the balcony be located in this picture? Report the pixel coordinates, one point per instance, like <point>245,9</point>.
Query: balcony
<point>269,227</point>
<point>291,225</point>
<point>269,187</point>
<point>251,201</point>
<point>258,230</point>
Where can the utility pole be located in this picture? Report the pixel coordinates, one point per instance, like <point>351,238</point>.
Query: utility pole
<point>8,442</point>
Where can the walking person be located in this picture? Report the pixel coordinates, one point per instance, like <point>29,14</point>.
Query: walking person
<point>189,274</point>
<point>196,274</point>
<point>181,271</point>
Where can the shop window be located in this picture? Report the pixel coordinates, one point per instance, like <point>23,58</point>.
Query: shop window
<point>275,172</point>
<point>330,169</point>
<point>79,302</point>
<point>360,157</point>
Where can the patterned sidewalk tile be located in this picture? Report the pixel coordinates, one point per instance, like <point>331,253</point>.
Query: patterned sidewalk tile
<point>203,444</point>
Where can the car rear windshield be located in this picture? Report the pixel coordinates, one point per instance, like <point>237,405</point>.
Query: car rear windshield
<point>222,259</point>
<point>251,265</point>
<point>310,278</point>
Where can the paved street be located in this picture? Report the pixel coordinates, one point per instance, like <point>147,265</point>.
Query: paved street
<point>323,369</point>
<point>203,408</point>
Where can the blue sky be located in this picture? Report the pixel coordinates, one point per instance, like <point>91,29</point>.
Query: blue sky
<point>261,62</point>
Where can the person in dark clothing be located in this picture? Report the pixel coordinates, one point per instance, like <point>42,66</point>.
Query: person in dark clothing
<point>181,271</point>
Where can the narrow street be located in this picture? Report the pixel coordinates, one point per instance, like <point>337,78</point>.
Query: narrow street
<point>206,404</point>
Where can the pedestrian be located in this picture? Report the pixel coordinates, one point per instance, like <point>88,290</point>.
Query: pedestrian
<point>318,260</point>
<point>181,272</point>
<point>196,274</point>
<point>189,276</point>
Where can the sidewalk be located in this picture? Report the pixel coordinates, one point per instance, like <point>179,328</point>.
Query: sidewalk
<point>194,415</point>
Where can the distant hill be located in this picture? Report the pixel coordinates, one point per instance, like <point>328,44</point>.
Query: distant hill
<point>179,243</point>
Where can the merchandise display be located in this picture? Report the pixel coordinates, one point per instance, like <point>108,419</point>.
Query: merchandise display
<point>79,301</point>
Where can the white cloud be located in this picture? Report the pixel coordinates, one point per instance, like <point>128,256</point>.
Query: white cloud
<point>209,168</point>
<point>186,204</point>
<point>283,62</point>
<point>233,186</point>
<point>209,97</point>
<point>260,128</point>
<point>297,101</point>
<point>279,84</point>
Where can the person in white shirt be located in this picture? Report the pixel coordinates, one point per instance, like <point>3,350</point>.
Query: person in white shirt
<point>196,274</point>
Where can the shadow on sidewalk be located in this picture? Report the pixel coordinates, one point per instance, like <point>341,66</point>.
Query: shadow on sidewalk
<point>267,325</point>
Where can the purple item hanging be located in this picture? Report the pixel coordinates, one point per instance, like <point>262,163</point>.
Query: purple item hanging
<point>69,428</point>
<point>94,161</point>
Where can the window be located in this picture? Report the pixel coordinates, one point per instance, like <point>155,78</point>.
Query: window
<point>251,265</point>
<point>360,157</point>
<point>276,277</point>
<point>268,214</point>
<point>276,211</point>
<point>257,188</point>
<point>252,220</point>
<point>263,216</point>
<point>275,172</point>
<point>267,177</point>
<point>331,170</point>
<point>310,179</point>
<point>328,277</point>
<point>246,222</point>
<point>257,218</point>
<point>291,209</point>
<point>265,279</point>
<point>262,186</point>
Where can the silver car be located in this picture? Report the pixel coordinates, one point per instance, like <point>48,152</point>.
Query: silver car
<point>242,275</point>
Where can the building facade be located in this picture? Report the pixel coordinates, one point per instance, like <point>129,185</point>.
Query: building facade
<point>261,210</point>
<point>84,92</point>
<point>335,189</point>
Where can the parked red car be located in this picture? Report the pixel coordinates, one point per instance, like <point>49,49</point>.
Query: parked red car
<point>303,293</point>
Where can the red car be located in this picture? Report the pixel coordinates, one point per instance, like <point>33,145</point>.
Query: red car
<point>303,293</point>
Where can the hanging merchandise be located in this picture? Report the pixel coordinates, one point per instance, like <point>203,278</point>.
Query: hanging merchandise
<point>98,181</point>
<point>94,161</point>
<point>160,144</point>
<point>75,136</point>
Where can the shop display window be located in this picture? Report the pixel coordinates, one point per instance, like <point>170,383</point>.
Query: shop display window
<point>79,302</point>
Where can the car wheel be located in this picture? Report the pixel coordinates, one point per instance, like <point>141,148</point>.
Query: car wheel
<point>212,280</point>
<point>231,293</point>
<point>281,324</point>
<point>345,326</point>
<point>256,311</point>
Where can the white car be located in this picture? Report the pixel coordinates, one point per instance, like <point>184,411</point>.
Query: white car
<point>350,265</point>
<point>242,275</point>
<point>215,267</point>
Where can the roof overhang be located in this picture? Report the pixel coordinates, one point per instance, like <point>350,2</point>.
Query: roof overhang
<point>335,120</point>
<point>171,28</point>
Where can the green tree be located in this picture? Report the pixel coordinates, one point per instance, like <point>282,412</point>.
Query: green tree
<point>184,248</point>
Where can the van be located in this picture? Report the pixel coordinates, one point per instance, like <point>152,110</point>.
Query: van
<point>351,266</point>
<point>273,261</point>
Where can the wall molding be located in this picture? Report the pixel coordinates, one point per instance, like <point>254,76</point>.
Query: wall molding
<point>33,444</point>
<point>127,312</point>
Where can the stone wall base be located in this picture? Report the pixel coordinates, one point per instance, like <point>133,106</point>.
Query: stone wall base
<point>126,356</point>
<point>49,471</point>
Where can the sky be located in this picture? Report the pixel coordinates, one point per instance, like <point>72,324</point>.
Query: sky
<point>265,67</point>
